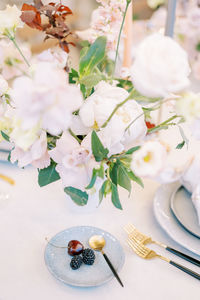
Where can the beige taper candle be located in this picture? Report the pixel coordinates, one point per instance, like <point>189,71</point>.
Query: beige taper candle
<point>127,61</point>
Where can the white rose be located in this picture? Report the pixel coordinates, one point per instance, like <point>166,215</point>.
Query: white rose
<point>99,106</point>
<point>3,86</point>
<point>155,3</point>
<point>189,105</point>
<point>161,67</point>
<point>149,160</point>
<point>10,19</point>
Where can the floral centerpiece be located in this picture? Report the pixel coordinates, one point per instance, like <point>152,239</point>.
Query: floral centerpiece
<point>89,127</point>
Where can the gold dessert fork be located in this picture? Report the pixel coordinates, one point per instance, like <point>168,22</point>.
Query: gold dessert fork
<point>146,253</point>
<point>144,239</point>
<point>8,179</point>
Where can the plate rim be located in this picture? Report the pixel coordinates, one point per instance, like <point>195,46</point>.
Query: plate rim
<point>177,215</point>
<point>165,228</point>
<point>79,284</point>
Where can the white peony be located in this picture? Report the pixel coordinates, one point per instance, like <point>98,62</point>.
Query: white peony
<point>10,19</point>
<point>149,160</point>
<point>99,106</point>
<point>3,86</point>
<point>161,67</point>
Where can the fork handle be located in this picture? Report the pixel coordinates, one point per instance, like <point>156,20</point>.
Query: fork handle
<point>184,269</point>
<point>184,256</point>
<point>112,268</point>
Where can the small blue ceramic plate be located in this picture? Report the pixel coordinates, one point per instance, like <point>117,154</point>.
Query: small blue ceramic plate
<point>58,260</point>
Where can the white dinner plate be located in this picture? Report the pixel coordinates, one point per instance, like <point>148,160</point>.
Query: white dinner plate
<point>168,222</point>
<point>184,211</point>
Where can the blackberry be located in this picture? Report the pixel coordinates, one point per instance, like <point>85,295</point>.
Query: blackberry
<point>88,256</point>
<point>76,262</point>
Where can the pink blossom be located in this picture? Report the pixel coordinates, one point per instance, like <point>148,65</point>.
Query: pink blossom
<point>37,155</point>
<point>11,62</point>
<point>74,162</point>
<point>55,56</point>
<point>106,20</point>
<point>46,99</point>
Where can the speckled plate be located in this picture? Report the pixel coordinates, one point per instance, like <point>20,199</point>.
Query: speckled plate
<point>58,260</point>
<point>169,223</point>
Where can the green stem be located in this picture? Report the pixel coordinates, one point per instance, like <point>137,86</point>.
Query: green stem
<point>165,123</point>
<point>116,108</point>
<point>156,106</point>
<point>12,38</point>
<point>20,51</point>
<point>75,136</point>
<point>120,33</point>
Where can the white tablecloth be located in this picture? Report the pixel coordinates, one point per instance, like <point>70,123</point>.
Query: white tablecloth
<point>33,213</point>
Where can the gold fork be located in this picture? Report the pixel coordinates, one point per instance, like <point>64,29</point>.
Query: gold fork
<point>144,239</point>
<point>146,253</point>
<point>8,179</point>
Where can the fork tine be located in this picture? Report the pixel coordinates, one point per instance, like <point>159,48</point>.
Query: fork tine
<point>128,228</point>
<point>135,249</point>
<point>138,246</point>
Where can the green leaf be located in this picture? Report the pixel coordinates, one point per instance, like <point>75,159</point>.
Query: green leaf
<point>83,90</point>
<point>5,136</point>
<point>104,190</point>
<point>140,98</point>
<point>100,171</point>
<point>113,172</point>
<point>93,179</point>
<point>115,196</point>
<point>131,150</point>
<point>98,149</point>
<point>126,160</point>
<point>93,56</point>
<point>135,178</point>
<point>198,47</point>
<point>125,84</point>
<point>91,80</point>
<point>9,156</point>
<point>84,51</point>
<point>73,74</point>
<point>85,43</point>
<point>78,196</point>
<point>181,145</point>
<point>123,178</point>
<point>48,175</point>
